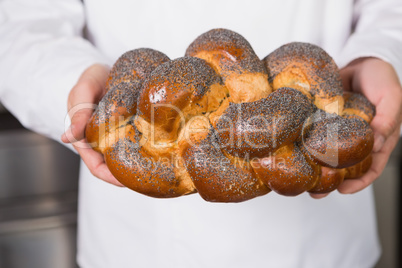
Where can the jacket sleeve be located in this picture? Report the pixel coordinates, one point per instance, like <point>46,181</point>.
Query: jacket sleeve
<point>377,32</point>
<point>42,54</point>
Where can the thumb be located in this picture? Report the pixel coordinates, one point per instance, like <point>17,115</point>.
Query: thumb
<point>378,81</point>
<point>81,101</point>
<point>79,114</point>
<point>384,123</point>
<point>346,77</point>
<point>387,96</point>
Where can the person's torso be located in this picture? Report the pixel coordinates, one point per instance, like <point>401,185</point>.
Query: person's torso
<point>121,228</point>
<point>170,26</point>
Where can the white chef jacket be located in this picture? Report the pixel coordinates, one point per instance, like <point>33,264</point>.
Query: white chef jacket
<point>42,55</point>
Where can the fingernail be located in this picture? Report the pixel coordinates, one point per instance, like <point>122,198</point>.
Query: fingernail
<point>319,196</point>
<point>378,143</point>
<point>64,136</point>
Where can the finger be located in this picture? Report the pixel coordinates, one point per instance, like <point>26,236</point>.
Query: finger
<point>90,87</point>
<point>346,76</point>
<point>354,185</point>
<point>97,74</point>
<point>382,87</point>
<point>380,160</point>
<point>318,196</point>
<point>67,136</point>
<point>388,116</point>
<point>96,164</point>
<point>88,90</point>
<point>79,120</point>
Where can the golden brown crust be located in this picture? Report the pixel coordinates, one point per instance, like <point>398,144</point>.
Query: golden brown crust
<point>135,65</point>
<point>173,88</point>
<point>119,103</point>
<point>338,142</point>
<point>124,87</point>
<point>207,122</point>
<point>254,129</point>
<point>139,170</point>
<point>232,46</point>
<point>359,169</point>
<point>216,177</point>
<point>315,69</point>
<point>286,172</point>
<point>329,180</point>
<point>357,104</point>
<point>235,60</point>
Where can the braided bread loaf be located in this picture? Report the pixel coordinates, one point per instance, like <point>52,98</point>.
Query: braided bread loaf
<point>229,126</point>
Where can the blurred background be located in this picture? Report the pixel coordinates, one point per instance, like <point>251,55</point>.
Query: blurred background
<point>38,201</point>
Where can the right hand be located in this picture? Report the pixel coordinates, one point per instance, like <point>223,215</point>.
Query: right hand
<point>89,89</point>
<point>378,81</point>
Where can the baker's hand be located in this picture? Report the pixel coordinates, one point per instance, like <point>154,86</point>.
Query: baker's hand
<point>378,81</point>
<point>88,91</point>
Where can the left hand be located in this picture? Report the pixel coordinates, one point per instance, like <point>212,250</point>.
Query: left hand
<point>88,91</point>
<point>378,81</point>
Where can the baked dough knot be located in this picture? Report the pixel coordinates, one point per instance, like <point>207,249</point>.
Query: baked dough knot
<point>221,122</point>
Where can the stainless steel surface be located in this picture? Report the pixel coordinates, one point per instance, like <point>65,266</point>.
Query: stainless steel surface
<point>33,165</point>
<point>41,248</point>
<point>17,211</point>
<point>38,201</point>
<point>387,194</point>
<point>2,108</point>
